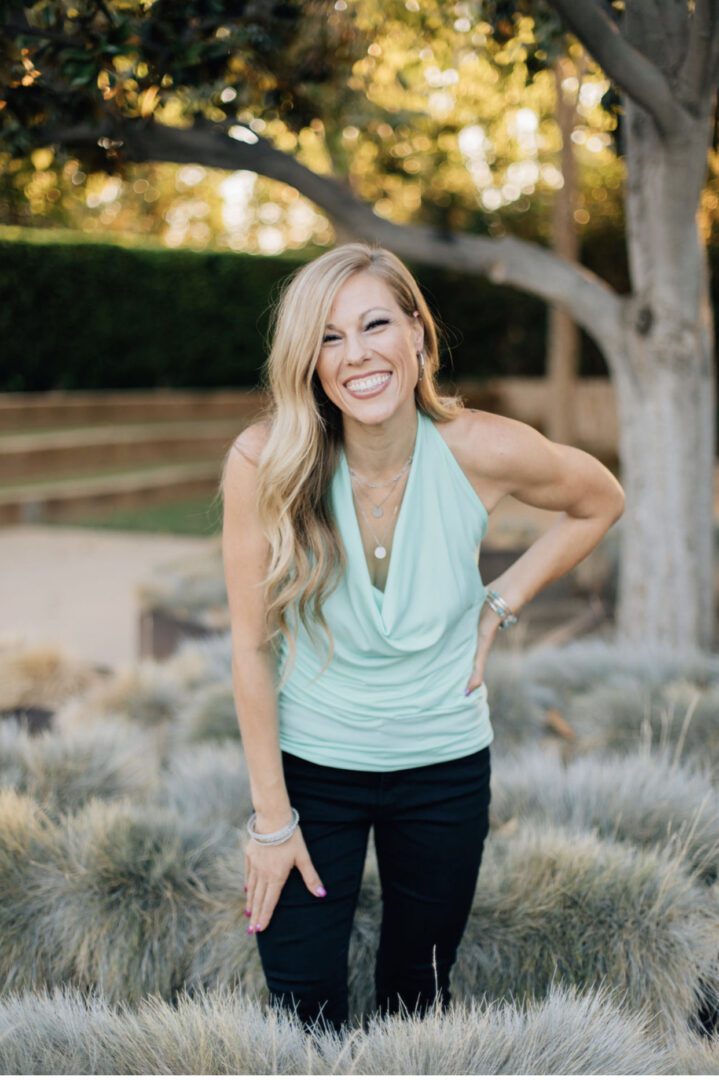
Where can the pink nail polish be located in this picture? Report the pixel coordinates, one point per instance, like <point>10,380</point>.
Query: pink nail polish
<point>321,891</point>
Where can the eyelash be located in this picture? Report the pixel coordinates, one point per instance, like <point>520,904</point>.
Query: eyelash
<point>375,322</point>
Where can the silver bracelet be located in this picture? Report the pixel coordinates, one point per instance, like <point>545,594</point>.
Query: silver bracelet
<point>276,837</point>
<point>501,607</point>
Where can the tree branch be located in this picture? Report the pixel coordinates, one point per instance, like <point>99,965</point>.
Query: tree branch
<point>712,63</point>
<point>630,69</point>
<point>508,261</point>
<point>696,75</point>
<point>672,19</point>
<point>15,30</point>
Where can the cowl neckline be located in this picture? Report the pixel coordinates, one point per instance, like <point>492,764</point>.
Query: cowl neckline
<point>381,601</point>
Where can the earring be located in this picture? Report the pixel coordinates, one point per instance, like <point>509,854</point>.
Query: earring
<point>420,357</point>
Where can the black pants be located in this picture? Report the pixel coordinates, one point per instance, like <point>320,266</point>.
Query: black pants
<point>430,823</point>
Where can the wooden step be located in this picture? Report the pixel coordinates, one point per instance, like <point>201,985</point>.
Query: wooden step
<point>21,412</point>
<point>52,453</point>
<point>61,499</point>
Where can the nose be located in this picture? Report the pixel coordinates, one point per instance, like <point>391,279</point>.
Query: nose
<point>355,348</point>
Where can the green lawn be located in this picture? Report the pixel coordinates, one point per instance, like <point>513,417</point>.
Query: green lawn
<point>189,517</point>
<point>108,470</point>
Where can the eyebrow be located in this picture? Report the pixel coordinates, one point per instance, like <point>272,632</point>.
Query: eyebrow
<point>332,327</point>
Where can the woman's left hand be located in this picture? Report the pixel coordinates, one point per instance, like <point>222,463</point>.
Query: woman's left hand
<point>487,630</point>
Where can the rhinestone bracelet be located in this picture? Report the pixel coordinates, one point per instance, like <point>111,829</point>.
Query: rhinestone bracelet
<point>276,837</point>
<point>501,607</point>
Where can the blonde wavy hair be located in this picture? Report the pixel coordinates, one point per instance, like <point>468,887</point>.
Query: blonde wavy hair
<point>295,469</point>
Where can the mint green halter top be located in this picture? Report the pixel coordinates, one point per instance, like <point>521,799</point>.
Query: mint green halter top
<point>393,694</point>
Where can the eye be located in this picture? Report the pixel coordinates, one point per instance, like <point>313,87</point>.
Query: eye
<point>369,326</point>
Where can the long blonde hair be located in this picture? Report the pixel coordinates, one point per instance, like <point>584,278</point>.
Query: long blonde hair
<point>295,469</point>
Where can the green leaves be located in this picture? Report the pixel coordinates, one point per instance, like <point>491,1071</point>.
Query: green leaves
<point>188,50</point>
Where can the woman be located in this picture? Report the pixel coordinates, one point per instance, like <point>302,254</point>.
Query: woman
<point>357,508</point>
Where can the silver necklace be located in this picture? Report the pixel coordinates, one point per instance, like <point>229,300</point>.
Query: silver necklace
<point>380,551</point>
<point>377,508</point>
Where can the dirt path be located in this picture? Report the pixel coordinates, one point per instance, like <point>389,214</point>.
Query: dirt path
<point>76,588</point>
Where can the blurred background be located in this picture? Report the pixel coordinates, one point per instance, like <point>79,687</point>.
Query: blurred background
<point>137,272</point>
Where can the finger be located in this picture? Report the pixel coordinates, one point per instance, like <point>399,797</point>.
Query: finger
<point>260,894</point>
<point>268,906</point>
<point>251,889</point>
<point>475,680</point>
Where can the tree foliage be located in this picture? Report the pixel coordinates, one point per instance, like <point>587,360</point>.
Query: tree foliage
<point>415,107</point>
<point>103,60</point>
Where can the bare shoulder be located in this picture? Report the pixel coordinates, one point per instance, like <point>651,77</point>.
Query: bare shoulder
<point>503,456</point>
<point>251,441</point>
<point>472,436</point>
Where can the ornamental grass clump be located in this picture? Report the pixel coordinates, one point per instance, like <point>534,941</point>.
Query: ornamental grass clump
<point>42,675</point>
<point>644,797</point>
<point>63,769</point>
<point>231,1033</point>
<point>207,783</point>
<point>147,693</point>
<point>568,1032</point>
<point>13,739</point>
<point>679,716</point>
<point>209,713</point>
<point>554,902</point>
<point>201,661</point>
<point>30,842</point>
<point>126,897</point>
<point>589,661</point>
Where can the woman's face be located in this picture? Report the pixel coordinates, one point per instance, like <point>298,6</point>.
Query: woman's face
<point>368,334</point>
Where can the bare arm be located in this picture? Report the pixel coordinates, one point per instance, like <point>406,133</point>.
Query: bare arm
<point>520,461</point>
<point>516,460</point>
<point>245,552</point>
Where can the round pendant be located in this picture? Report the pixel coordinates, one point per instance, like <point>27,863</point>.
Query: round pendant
<point>377,511</point>
<point>380,552</point>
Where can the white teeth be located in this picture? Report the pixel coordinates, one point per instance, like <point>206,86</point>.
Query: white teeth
<point>367,384</point>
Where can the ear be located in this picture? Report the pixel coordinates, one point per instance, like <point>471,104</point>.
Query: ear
<point>417,332</point>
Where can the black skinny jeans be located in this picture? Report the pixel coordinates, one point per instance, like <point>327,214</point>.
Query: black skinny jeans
<point>430,823</point>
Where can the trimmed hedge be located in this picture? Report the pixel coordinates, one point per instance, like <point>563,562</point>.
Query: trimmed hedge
<point>92,315</point>
<point>96,316</point>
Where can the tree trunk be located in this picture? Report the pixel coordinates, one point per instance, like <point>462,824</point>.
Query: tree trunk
<point>562,331</point>
<point>664,378</point>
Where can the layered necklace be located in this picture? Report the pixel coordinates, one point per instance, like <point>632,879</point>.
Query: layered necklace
<point>380,550</point>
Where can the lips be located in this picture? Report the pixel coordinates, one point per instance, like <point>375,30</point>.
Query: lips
<point>379,381</point>
<point>361,378</point>
<point>369,375</point>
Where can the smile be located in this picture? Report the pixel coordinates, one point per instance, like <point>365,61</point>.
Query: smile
<point>370,386</point>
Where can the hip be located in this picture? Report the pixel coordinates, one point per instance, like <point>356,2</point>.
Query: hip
<point>454,789</point>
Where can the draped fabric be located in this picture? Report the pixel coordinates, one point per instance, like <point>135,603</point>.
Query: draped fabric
<point>393,695</point>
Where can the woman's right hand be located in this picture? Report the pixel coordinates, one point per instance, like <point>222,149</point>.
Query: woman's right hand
<point>267,867</point>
